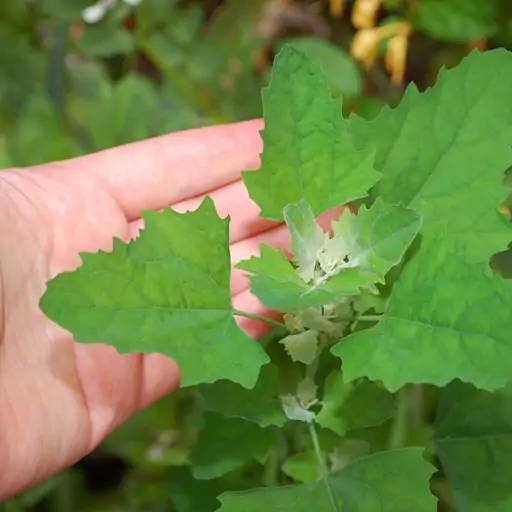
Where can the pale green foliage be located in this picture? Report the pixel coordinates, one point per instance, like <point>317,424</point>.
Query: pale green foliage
<point>302,347</point>
<point>308,239</point>
<point>364,248</point>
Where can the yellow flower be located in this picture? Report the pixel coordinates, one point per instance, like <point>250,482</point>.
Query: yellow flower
<point>337,7</point>
<point>396,58</point>
<point>365,46</point>
<point>364,13</point>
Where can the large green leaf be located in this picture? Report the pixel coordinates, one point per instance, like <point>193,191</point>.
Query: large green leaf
<point>456,20</point>
<point>308,153</point>
<point>395,481</point>
<point>473,439</point>
<point>227,444</point>
<point>364,248</point>
<point>166,292</point>
<point>441,152</point>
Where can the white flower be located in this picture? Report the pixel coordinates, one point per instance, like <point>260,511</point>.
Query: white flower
<point>96,12</point>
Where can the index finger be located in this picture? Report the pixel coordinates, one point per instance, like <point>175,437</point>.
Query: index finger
<point>158,172</point>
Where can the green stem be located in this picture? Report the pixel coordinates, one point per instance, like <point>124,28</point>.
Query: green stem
<point>369,318</point>
<point>259,318</point>
<point>271,470</point>
<point>399,427</point>
<point>324,472</point>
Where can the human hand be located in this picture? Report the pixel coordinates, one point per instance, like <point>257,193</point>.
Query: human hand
<point>58,399</point>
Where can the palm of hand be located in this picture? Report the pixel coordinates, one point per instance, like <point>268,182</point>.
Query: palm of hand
<point>59,399</point>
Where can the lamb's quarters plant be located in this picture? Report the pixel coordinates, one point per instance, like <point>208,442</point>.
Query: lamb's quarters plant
<point>392,315</point>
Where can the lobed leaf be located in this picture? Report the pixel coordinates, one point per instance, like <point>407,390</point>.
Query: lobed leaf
<point>444,153</point>
<point>167,292</point>
<point>395,481</point>
<point>308,153</point>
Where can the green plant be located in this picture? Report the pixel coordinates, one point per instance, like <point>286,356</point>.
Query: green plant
<point>389,379</point>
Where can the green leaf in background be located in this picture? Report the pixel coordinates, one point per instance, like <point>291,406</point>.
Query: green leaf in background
<point>456,20</point>
<point>473,439</point>
<point>5,159</point>
<point>395,481</point>
<point>308,153</point>
<point>364,248</point>
<point>353,405</point>
<point>127,111</point>
<point>227,444</point>
<point>260,405</point>
<point>105,40</point>
<point>65,9</point>
<point>21,68</point>
<point>137,299</point>
<point>191,495</point>
<point>342,72</point>
<point>54,143</point>
<point>440,152</point>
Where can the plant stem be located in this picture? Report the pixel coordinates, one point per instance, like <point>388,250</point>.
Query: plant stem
<point>398,433</point>
<point>259,318</point>
<point>321,464</point>
<point>271,470</point>
<point>369,318</point>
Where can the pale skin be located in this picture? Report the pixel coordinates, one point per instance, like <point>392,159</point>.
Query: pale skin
<point>60,399</point>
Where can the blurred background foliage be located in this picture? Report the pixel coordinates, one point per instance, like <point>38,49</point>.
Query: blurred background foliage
<point>77,77</point>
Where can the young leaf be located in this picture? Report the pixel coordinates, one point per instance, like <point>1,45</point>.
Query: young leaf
<point>308,153</point>
<point>301,347</point>
<point>166,292</point>
<point>440,152</point>
<point>353,405</point>
<point>473,439</point>
<point>227,444</point>
<point>365,247</point>
<point>275,282</point>
<point>308,238</point>
<point>295,410</point>
<point>394,481</point>
<point>374,240</point>
<point>260,405</point>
